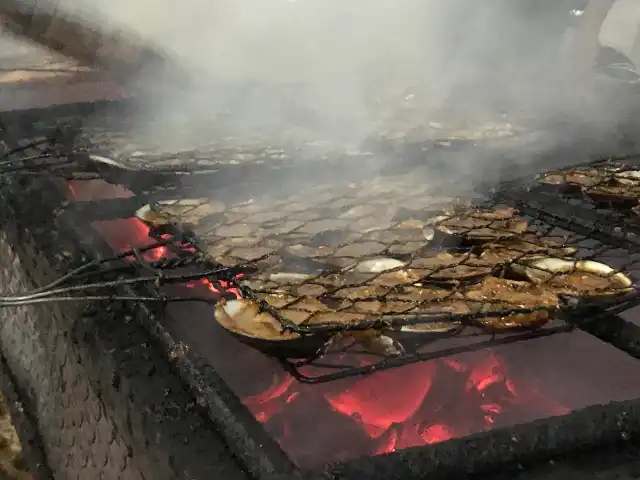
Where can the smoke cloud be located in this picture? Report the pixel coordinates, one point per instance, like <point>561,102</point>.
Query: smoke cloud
<point>346,71</point>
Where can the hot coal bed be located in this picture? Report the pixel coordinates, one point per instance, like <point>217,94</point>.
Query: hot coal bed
<point>546,402</point>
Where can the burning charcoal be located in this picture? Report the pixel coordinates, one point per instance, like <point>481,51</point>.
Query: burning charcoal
<point>185,211</point>
<point>495,294</point>
<point>584,278</point>
<point>481,227</point>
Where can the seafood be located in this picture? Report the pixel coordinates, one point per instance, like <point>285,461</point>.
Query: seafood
<point>512,250</point>
<point>614,193</point>
<point>628,177</point>
<point>376,342</point>
<point>481,227</point>
<point>495,294</point>
<point>110,162</point>
<point>437,326</point>
<point>378,265</point>
<point>585,278</point>
<point>448,266</point>
<point>576,178</point>
<point>189,211</point>
<point>244,317</point>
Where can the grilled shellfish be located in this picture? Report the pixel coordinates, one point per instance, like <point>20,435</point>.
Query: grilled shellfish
<point>583,278</point>
<point>188,211</point>
<point>496,294</point>
<point>483,226</point>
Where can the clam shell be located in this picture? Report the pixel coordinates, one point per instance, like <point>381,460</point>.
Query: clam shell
<point>496,294</point>
<point>376,342</point>
<point>571,276</point>
<point>184,211</point>
<point>482,227</point>
<point>243,319</point>
<point>378,265</point>
<point>110,161</point>
<point>571,179</point>
<point>625,195</point>
<point>628,177</point>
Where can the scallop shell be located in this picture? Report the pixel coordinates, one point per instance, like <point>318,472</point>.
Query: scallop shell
<point>376,342</point>
<point>109,161</point>
<point>578,277</point>
<point>378,265</point>
<point>585,178</point>
<point>628,177</point>
<point>496,294</point>
<point>184,211</point>
<point>621,195</point>
<point>244,317</point>
<point>482,227</point>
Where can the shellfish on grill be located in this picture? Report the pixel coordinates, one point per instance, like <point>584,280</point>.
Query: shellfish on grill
<point>575,179</point>
<point>511,250</point>
<point>497,294</point>
<point>445,267</point>
<point>187,211</point>
<point>244,319</point>
<point>628,177</point>
<point>483,226</point>
<point>377,342</point>
<point>582,278</point>
<point>613,192</point>
<point>437,325</point>
<point>378,265</point>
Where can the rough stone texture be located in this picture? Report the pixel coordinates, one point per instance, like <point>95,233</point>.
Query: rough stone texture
<point>79,438</point>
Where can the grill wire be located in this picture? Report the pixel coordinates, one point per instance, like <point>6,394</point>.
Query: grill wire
<point>450,279</point>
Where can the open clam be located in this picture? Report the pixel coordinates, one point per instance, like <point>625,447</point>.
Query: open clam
<point>439,326</point>
<point>447,267</point>
<point>581,278</point>
<point>614,193</point>
<point>570,180</point>
<point>496,294</point>
<point>246,321</point>
<point>375,341</point>
<point>483,226</point>
<point>628,177</point>
<point>188,211</point>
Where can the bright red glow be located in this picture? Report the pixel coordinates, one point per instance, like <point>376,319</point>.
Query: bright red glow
<point>385,399</point>
<point>87,190</point>
<point>417,404</point>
